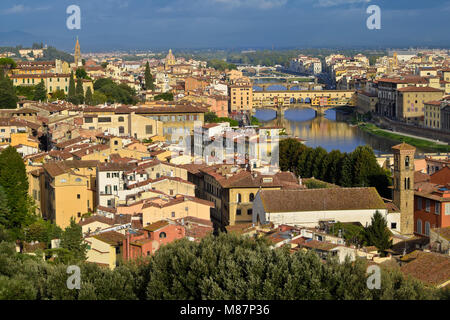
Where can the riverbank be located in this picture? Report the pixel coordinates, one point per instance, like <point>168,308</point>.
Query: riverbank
<point>417,142</point>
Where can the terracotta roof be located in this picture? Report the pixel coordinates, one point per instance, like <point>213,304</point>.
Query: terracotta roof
<point>111,237</point>
<point>441,177</point>
<point>443,232</point>
<point>419,89</point>
<point>403,146</point>
<point>157,225</point>
<point>318,245</point>
<point>421,177</point>
<point>96,218</point>
<point>55,168</point>
<point>321,199</point>
<point>431,268</point>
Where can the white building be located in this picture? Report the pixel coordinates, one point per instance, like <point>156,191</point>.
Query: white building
<point>309,207</point>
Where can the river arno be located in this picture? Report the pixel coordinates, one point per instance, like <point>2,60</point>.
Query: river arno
<point>329,131</point>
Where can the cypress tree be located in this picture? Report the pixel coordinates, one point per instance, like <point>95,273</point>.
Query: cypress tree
<point>377,234</point>
<point>148,78</point>
<point>40,92</point>
<point>346,176</point>
<point>8,97</point>
<point>89,99</point>
<point>71,95</point>
<point>79,91</point>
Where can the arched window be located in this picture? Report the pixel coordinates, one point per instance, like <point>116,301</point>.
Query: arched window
<point>162,235</point>
<point>407,161</point>
<point>239,198</point>
<point>408,184</point>
<point>419,226</point>
<point>252,197</point>
<point>120,119</point>
<point>427,228</point>
<point>121,130</point>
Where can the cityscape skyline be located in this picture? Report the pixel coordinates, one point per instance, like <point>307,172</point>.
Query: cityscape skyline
<point>126,25</point>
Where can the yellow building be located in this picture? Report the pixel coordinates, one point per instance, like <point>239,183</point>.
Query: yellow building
<point>432,114</point>
<point>105,249</point>
<point>52,81</point>
<point>233,190</point>
<point>411,102</point>
<point>241,98</point>
<point>69,190</point>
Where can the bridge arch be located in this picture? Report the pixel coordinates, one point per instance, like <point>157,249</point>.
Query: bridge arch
<point>307,100</point>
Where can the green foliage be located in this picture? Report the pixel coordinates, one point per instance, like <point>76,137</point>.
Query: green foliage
<point>254,121</point>
<point>79,91</point>
<point>104,65</point>
<point>58,95</point>
<point>378,234</point>
<point>149,85</point>
<point>81,73</point>
<point>221,65</point>
<point>356,169</point>
<point>167,96</point>
<point>220,268</point>
<point>25,91</point>
<point>211,117</point>
<point>353,234</point>
<point>89,99</point>
<point>51,54</point>
<point>8,97</point>
<point>14,182</point>
<point>98,98</point>
<point>7,63</point>
<point>71,94</point>
<point>43,231</point>
<point>315,184</point>
<point>121,93</point>
<point>72,240</point>
<point>40,92</point>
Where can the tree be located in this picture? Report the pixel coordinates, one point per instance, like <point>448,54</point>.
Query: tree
<point>81,73</point>
<point>58,95</point>
<point>377,234</point>
<point>167,96</point>
<point>14,181</point>
<point>346,172</point>
<point>40,92</point>
<point>149,85</point>
<point>8,97</point>
<point>71,94</point>
<point>89,99</point>
<point>98,98</point>
<point>210,117</point>
<point>72,240</point>
<point>79,91</point>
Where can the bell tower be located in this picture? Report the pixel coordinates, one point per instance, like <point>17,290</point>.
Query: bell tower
<point>77,55</point>
<point>403,191</point>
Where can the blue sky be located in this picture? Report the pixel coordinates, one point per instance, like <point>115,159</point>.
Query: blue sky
<point>147,24</point>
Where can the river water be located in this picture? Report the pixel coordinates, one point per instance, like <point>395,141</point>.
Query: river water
<point>329,131</point>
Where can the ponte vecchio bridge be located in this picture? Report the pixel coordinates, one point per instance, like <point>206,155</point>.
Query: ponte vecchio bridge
<point>319,100</point>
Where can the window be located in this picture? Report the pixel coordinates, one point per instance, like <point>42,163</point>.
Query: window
<point>252,197</point>
<point>173,214</point>
<point>108,175</point>
<point>427,206</point>
<point>419,204</point>
<point>121,119</point>
<point>79,214</point>
<point>250,212</point>
<point>407,161</point>
<point>121,130</point>
<point>115,141</point>
<point>239,198</point>
<point>393,225</point>
<point>78,196</point>
<point>238,212</point>
<point>447,209</point>
<point>162,235</point>
<point>437,207</point>
<point>427,228</point>
<point>148,129</point>
<point>104,119</point>
<point>419,226</point>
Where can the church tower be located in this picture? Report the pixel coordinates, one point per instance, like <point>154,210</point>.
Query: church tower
<point>170,60</point>
<point>77,55</point>
<point>403,195</point>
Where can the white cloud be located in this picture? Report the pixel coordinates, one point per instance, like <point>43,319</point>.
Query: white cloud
<point>20,8</point>
<point>334,3</point>
<point>258,4</point>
